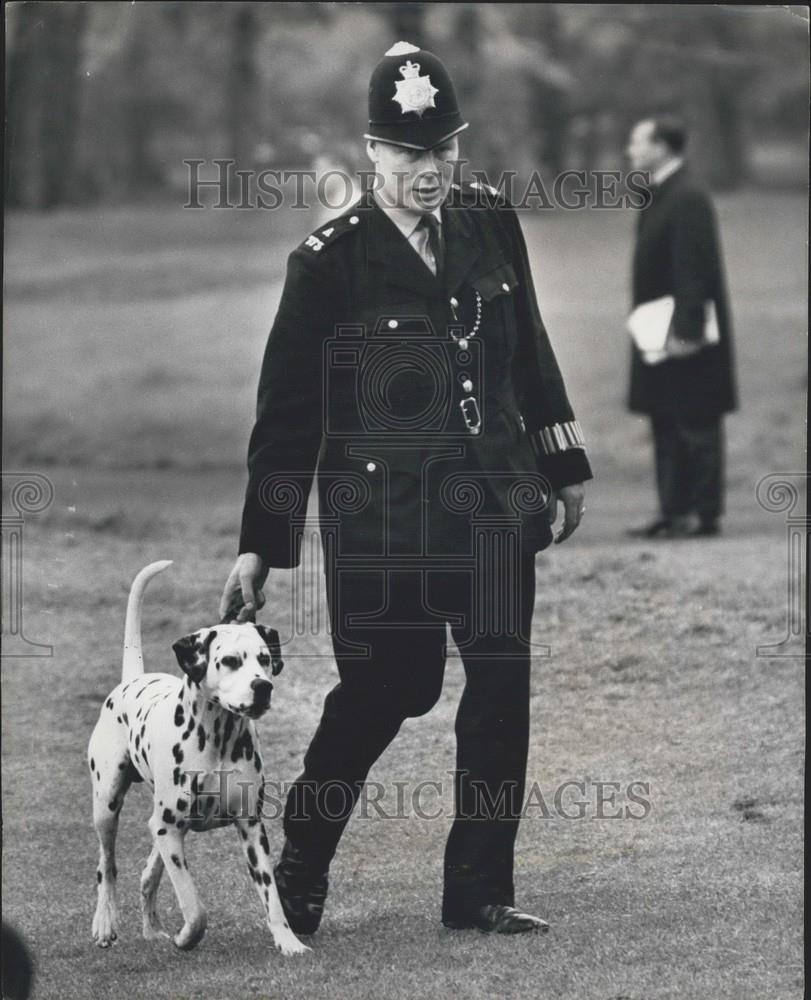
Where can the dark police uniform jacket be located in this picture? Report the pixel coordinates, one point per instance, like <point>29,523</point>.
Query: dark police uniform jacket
<point>364,378</point>
<point>678,253</point>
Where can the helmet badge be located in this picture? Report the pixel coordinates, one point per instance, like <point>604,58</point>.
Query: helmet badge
<point>414,92</point>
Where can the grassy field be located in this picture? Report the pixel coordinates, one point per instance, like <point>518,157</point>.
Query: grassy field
<point>132,342</point>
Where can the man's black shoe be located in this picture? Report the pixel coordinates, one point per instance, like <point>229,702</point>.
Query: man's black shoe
<point>706,529</point>
<point>302,889</point>
<point>501,919</point>
<point>676,527</point>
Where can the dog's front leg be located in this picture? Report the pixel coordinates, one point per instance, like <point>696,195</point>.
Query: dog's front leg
<point>168,839</point>
<point>255,844</point>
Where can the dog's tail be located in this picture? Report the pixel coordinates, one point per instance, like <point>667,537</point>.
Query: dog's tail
<point>133,659</point>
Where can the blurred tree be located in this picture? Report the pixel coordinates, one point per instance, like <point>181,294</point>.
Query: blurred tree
<point>548,109</point>
<point>43,86</point>
<point>407,22</point>
<point>242,90</point>
<point>138,122</point>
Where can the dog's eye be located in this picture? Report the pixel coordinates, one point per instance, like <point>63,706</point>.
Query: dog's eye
<point>263,660</point>
<point>233,662</point>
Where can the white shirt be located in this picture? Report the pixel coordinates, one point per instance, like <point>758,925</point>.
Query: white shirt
<point>408,222</point>
<point>666,170</point>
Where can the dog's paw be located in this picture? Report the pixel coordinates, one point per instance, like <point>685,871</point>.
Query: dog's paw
<point>288,944</point>
<point>105,926</point>
<point>191,934</point>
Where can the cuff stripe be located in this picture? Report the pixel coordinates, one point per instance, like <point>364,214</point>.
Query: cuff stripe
<point>558,437</point>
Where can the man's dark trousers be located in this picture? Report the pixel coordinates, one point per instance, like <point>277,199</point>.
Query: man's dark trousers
<point>689,454</point>
<point>401,678</point>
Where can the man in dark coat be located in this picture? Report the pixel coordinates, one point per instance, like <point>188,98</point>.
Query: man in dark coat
<point>678,254</point>
<point>409,363</point>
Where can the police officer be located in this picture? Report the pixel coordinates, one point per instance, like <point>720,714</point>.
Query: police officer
<point>409,363</point>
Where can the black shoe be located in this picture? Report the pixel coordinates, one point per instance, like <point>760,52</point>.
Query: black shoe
<point>706,529</point>
<point>667,527</point>
<point>501,919</point>
<point>302,889</point>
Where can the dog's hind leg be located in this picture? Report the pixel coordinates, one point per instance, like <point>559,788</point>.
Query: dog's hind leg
<point>111,775</point>
<point>150,880</point>
<point>168,839</point>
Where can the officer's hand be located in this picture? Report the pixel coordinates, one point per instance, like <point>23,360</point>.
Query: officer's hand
<point>573,498</point>
<point>242,596</point>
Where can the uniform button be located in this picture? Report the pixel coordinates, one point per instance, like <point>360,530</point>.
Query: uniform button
<point>505,286</point>
<point>393,324</point>
<point>354,220</point>
<point>370,466</point>
<point>467,385</point>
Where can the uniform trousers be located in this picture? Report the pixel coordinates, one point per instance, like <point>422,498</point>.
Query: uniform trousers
<point>401,677</point>
<point>689,465</point>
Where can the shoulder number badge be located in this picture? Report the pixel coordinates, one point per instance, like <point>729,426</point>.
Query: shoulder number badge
<point>414,92</point>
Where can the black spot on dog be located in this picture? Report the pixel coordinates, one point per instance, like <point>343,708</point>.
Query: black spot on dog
<point>257,762</point>
<point>252,857</point>
<point>122,767</point>
<point>98,775</point>
<point>243,746</point>
<point>112,805</point>
<point>227,731</point>
<point>162,832</point>
<point>263,840</point>
<point>266,878</point>
<point>143,730</point>
<point>176,776</point>
<point>201,737</point>
<point>118,719</point>
<point>168,816</point>
<point>181,805</point>
<point>92,764</point>
<point>108,703</point>
<point>137,742</point>
<point>126,720</point>
<point>217,724</point>
<point>176,861</point>
<point>180,716</point>
<point>98,876</point>
<point>177,753</point>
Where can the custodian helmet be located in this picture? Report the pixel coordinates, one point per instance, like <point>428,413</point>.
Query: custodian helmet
<point>412,102</point>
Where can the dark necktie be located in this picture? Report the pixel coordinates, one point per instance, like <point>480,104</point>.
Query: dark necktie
<point>431,223</point>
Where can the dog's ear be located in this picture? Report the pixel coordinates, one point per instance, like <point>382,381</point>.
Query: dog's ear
<point>192,653</point>
<point>271,639</point>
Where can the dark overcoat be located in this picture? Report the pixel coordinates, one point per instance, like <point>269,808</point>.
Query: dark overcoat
<point>678,253</point>
<point>365,380</point>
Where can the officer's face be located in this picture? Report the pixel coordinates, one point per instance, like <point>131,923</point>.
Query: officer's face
<point>643,150</point>
<point>411,178</point>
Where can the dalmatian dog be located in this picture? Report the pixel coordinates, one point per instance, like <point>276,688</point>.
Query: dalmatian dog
<point>183,737</point>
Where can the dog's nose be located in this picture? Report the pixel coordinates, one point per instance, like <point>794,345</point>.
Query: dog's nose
<point>261,691</point>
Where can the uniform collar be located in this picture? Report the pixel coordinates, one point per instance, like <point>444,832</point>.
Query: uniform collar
<point>386,246</point>
<point>405,219</point>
